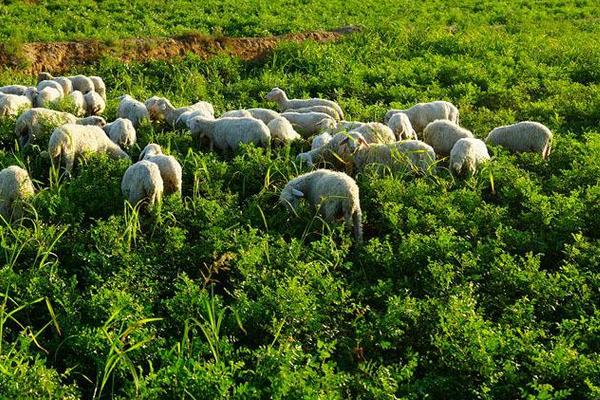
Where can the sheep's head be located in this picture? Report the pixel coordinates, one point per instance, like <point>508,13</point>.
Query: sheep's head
<point>276,94</point>
<point>93,120</point>
<point>352,142</point>
<point>290,197</point>
<point>150,150</point>
<point>44,76</point>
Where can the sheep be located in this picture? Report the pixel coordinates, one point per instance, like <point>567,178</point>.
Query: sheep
<point>65,83</point>
<point>322,109</point>
<point>264,114</point>
<point>34,122</point>
<point>69,142</point>
<point>320,140</point>
<point>375,132</point>
<point>282,130</point>
<point>11,104</point>
<point>186,116</point>
<point>311,123</point>
<point>163,109</point>
<point>422,114</point>
<point>78,101</point>
<point>237,114</point>
<point>278,96</point>
<point>523,136</point>
<point>99,86</point>
<point>170,169</point>
<point>142,181</point>
<point>332,193</point>
<point>336,151</point>
<point>48,95</point>
<point>417,154</point>
<point>15,187</point>
<point>82,83</point>
<point>133,110</point>
<point>467,155</point>
<point>94,103</point>
<point>400,124</point>
<point>121,132</point>
<point>19,90</point>
<point>442,134</point>
<point>51,84</point>
<point>228,133</point>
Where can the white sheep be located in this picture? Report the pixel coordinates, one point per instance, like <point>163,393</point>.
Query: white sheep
<point>417,154</point>
<point>422,114</point>
<point>229,133</point>
<point>19,90</point>
<point>320,140</point>
<point>311,123</point>
<point>94,103</point>
<point>82,83</point>
<point>99,86</point>
<point>65,83</point>
<point>264,114</point>
<point>78,101</point>
<point>236,114</point>
<point>69,142</point>
<point>121,131</point>
<point>322,109</point>
<point>183,119</point>
<point>442,134</point>
<point>11,104</point>
<point>278,96</point>
<point>338,150</point>
<point>525,136</point>
<point>282,131</point>
<point>375,132</point>
<point>170,169</point>
<point>400,124</point>
<point>48,95</point>
<point>163,109</point>
<point>35,122</point>
<point>52,84</point>
<point>332,193</point>
<point>15,187</point>
<point>133,110</point>
<point>142,181</point>
<point>467,155</point>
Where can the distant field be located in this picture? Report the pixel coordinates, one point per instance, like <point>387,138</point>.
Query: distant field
<point>483,287</point>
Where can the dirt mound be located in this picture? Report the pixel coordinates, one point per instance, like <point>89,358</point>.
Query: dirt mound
<point>58,57</point>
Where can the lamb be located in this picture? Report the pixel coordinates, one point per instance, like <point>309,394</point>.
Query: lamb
<point>142,181</point>
<point>264,114</point>
<point>94,103</point>
<point>78,101</point>
<point>65,83</point>
<point>163,109</point>
<point>186,116</point>
<point>99,86</point>
<point>237,114</point>
<point>338,150</point>
<point>11,104</point>
<point>121,132</point>
<point>332,193</point>
<point>278,96</point>
<point>400,124</point>
<point>523,136</point>
<point>228,133</point>
<point>320,140</point>
<point>417,154</point>
<point>48,95</point>
<point>375,132</point>
<point>133,110</point>
<point>422,114</point>
<point>69,142</point>
<point>170,169</point>
<point>322,109</point>
<point>311,123</point>
<point>51,84</point>
<point>442,134</point>
<point>38,122</point>
<point>467,155</point>
<point>15,187</point>
<point>282,130</point>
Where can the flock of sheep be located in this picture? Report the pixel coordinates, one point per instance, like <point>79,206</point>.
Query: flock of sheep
<point>413,137</point>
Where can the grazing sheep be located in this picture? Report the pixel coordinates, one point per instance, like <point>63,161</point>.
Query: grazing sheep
<point>51,84</point>
<point>422,114</point>
<point>15,186</point>
<point>11,104</point>
<point>19,90</point>
<point>320,140</point>
<point>333,193</point>
<point>170,169</point>
<point>338,150</point>
<point>375,132</point>
<point>78,82</point>
<point>94,103</point>
<point>99,86</point>
<point>400,124</point>
<point>142,181</point>
<point>163,109</point>
<point>525,136</point>
<point>236,114</point>
<point>229,133</point>
<point>183,119</point>
<point>121,132</point>
<point>78,101</point>
<point>467,155</point>
<point>133,110</point>
<point>442,134</point>
<point>38,122</point>
<point>264,114</point>
<point>69,142</point>
<point>311,123</point>
<point>47,95</point>
<point>278,96</point>
<point>65,83</point>
<point>282,130</point>
<point>417,154</point>
<point>322,109</point>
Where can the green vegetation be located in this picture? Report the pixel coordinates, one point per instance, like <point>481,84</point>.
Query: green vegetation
<point>486,287</point>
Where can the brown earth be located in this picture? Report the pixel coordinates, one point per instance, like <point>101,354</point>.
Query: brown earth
<point>58,57</point>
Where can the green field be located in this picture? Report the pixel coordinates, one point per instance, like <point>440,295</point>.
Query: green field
<point>485,287</point>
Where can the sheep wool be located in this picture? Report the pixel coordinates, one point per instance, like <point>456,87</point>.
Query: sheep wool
<point>237,114</point>
<point>333,193</point>
<point>69,142</point>
<point>99,86</point>
<point>320,140</point>
<point>525,136</point>
<point>78,101</point>
<point>142,182</point>
<point>418,155</point>
<point>121,132</point>
<point>278,96</point>
<point>467,155</point>
<point>133,110</point>
<point>229,133</point>
<point>94,103</point>
<point>264,114</point>
<point>310,123</point>
<point>11,104</point>
<point>170,169</point>
<point>400,124</point>
<point>15,187</point>
<point>322,109</point>
<point>282,131</point>
<point>422,114</point>
<point>442,134</point>
<point>375,132</point>
<point>163,109</point>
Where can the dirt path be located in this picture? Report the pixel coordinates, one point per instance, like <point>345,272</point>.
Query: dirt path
<point>58,57</point>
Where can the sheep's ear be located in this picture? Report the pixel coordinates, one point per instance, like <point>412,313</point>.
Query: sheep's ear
<point>297,193</point>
